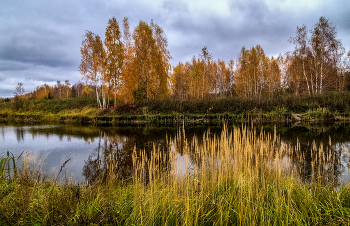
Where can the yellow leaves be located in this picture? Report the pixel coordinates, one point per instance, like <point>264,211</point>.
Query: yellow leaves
<point>200,78</point>
<point>211,108</point>
<point>180,81</point>
<point>150,62</point>
<point>31,106</point>
<point>114,58</point>
<point>34,203</point>
<point>87,91</point>
<point>223,78</point>
<point>42,92</point>
<point>257,75</point>
<point>141,64</point>
<point>86,51</point>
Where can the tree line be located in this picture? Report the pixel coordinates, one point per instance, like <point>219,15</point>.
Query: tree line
<point>126,67</point>
<point>318,64</point>
<point>134,68</point>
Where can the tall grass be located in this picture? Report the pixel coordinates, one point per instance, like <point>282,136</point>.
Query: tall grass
<point>242,177</point>
<point>8,167</point>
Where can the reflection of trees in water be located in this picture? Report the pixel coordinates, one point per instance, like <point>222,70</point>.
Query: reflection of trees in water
<point>116,145</point>
<point>344,148</point>
<point>316,160</point>
<point>344,160</point>
<point>323,151</point>
<point>3,132</point>
<point>20,132</point>
<point>115,149</point>
<point>109,154</point>
<point>114,153</point>
<point>87,133</point>
<point>309,161</point>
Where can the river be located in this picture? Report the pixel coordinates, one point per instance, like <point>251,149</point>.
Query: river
<point>46,147</point>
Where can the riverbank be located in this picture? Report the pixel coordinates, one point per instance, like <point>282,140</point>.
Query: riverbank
<point>328,108</point>
<point>176,118</point>
<point>252,190</point>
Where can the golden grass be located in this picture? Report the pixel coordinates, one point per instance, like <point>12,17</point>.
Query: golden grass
<point>242,177</point>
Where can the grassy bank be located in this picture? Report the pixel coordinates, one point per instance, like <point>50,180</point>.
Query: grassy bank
<point>237,178</point>
<point>327,107</point>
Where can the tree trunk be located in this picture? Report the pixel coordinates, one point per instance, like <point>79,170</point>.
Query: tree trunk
<point>307,81</point>
<point>98,99</point>
<point>103,98</point>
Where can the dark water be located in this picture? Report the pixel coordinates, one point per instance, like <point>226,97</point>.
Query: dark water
<point>46,147</point>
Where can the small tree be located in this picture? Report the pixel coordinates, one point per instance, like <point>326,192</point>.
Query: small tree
<point>67,88</point>
<point>19,89</point>
<point>18,100</point>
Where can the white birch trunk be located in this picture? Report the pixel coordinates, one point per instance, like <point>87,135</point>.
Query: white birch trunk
<point>307,81</point>
<point>98,98</point>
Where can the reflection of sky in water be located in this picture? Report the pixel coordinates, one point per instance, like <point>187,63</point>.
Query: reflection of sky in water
<point>48,150</point>
<point>53,149</point>
<point>344,160</point>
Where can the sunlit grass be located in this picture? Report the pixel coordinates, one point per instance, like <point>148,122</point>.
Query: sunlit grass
<point>86,111</point>
<point>48,110</point>
<point>241,177</point>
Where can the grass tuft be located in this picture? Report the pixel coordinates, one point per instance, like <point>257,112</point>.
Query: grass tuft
<point>240,177</point>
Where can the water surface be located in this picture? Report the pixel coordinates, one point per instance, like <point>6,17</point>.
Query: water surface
<point>46,147</point>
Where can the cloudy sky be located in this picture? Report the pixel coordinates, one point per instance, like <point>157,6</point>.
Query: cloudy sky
<point>40,40</point>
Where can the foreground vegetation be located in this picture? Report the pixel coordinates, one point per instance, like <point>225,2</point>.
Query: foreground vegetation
<point>328,107</point>
<point>237,178</point>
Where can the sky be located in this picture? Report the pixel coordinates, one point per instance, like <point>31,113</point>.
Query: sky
<point>40,40</point>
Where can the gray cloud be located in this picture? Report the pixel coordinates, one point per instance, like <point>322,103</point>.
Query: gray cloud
<point>40,41</point>
<point>31,46</point>
<point>8,65</point>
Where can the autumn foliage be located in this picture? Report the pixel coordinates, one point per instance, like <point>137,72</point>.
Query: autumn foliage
<point>134,68</point>
<point>131,66</point>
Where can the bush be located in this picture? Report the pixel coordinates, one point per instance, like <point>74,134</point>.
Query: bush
<point>18,102</point>
<point>237,105</point>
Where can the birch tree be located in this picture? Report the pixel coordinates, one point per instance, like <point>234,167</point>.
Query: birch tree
<point>114,57</point>
<point>129,77</point>
<point>160,60</point>
<point>302,49</point>
<point>92,63</point>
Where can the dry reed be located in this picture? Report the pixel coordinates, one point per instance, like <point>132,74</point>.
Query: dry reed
<point>242,177</point>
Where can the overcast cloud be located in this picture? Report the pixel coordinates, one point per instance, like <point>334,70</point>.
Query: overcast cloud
<point>40,40</point>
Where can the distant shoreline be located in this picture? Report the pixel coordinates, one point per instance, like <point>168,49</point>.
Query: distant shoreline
<point>173,119</point>
<point>327,108</point>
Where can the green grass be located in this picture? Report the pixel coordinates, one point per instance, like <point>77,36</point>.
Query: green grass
<point>48,110</point>
<point>319,107</point>
<point>252,190</point>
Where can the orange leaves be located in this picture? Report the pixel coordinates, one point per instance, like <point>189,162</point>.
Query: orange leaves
<point>257,75</point>
<point>138,65</point>
<point>202,78</point>
<point>130,80</point>
<point>223,78</point>
<point>180,81</point>
<point>151,61</point>
<point>42,92</point>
